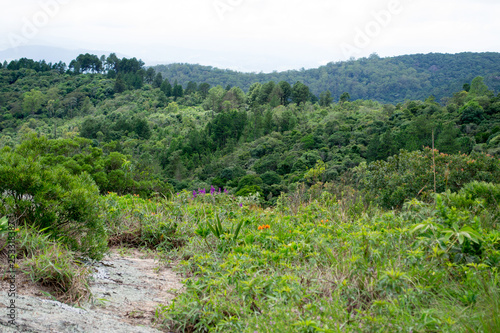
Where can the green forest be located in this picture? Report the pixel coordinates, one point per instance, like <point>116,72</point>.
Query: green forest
<point>386,80</point>
<point>359,196</point>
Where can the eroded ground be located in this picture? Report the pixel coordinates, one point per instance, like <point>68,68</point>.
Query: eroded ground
<point>126,289</point>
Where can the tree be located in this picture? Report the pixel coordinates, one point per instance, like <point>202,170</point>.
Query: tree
<point>112,63</point>
<point>447,139</point>
<point>177,91</point>
<point>286,90</point>
<point>166,87</point>
<point>236,97</point>
<point>32,101</point>
<point>150,75</point>
<point>158,80</point>
<point>214,99</point>
<point>120,85</point>
<point>265,92</point>
<point>253,94</point>
<point>471,112</point>
<point>190,88</point>
<point>142,129</point>
<point>87,63</point>
<point>325,98</point>
<point>300,93</point>
<point>345,97</point>
<point>203,88</point>
<point>478,87</point>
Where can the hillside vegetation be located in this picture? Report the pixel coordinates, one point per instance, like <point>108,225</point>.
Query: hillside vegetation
<point>386,80</point>
<point>284,211</point>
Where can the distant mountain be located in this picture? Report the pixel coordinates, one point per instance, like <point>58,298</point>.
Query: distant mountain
<point>47,53</point>
<point>237,60</point>
<point>387,80</point>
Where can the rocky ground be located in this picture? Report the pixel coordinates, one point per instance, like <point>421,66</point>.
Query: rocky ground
<point>126,289</point>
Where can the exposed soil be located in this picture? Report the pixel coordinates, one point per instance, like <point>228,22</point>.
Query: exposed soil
<point>126,290</point>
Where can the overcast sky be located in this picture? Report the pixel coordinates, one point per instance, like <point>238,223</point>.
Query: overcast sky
<point>253,35</point>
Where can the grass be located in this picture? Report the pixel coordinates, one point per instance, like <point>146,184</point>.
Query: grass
<point>52,265</point>
<point>325,265</point>
<point>323,262</point>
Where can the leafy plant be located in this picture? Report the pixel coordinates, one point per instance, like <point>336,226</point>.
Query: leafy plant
<point>52,200</point>
<point>218,230</point>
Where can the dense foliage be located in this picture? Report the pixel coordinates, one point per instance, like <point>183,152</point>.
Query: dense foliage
<point>147,135</point>
<point>48,197</point>
<point>282,210</point>
<point>386,80</point>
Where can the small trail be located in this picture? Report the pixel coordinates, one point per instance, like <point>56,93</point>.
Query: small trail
<point>126,290</point>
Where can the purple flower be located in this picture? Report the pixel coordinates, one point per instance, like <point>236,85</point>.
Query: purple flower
<point>212,189</point>
<point>241,205</point>
<point>225,191</point>
<point>194,194</point>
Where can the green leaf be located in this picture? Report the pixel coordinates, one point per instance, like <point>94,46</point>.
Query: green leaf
<point>237,231</point>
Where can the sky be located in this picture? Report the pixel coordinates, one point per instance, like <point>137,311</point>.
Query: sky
<point>253,35</point>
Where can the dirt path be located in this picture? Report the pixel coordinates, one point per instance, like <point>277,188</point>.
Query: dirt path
<point>126,290</point>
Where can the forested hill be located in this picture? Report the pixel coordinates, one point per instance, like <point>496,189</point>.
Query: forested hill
<point>133,131</point>
<point>387,80</point>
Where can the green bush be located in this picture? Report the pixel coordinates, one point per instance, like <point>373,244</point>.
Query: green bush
<point>411,174</point>
<point>249,190</point>
<point>52,199</point>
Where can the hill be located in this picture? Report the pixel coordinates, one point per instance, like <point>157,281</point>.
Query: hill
<point>386,80</point>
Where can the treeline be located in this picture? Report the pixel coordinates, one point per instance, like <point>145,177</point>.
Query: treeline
<point>386,80</point>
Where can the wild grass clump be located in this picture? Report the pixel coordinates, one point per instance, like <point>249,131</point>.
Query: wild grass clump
<point>132,221</point>
<point>52,265</point>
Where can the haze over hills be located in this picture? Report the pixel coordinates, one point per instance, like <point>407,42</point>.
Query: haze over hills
<point>388,80</point>
<point>235,60</point>
<point>47,53</point>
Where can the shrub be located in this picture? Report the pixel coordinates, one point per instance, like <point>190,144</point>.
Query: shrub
<point>54,200</point>
<point>410,174</point>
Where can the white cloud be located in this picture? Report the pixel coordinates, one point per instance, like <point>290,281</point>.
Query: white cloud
<point>279,33</point>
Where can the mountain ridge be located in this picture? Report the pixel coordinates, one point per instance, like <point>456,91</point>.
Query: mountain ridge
<point>387,80</point>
